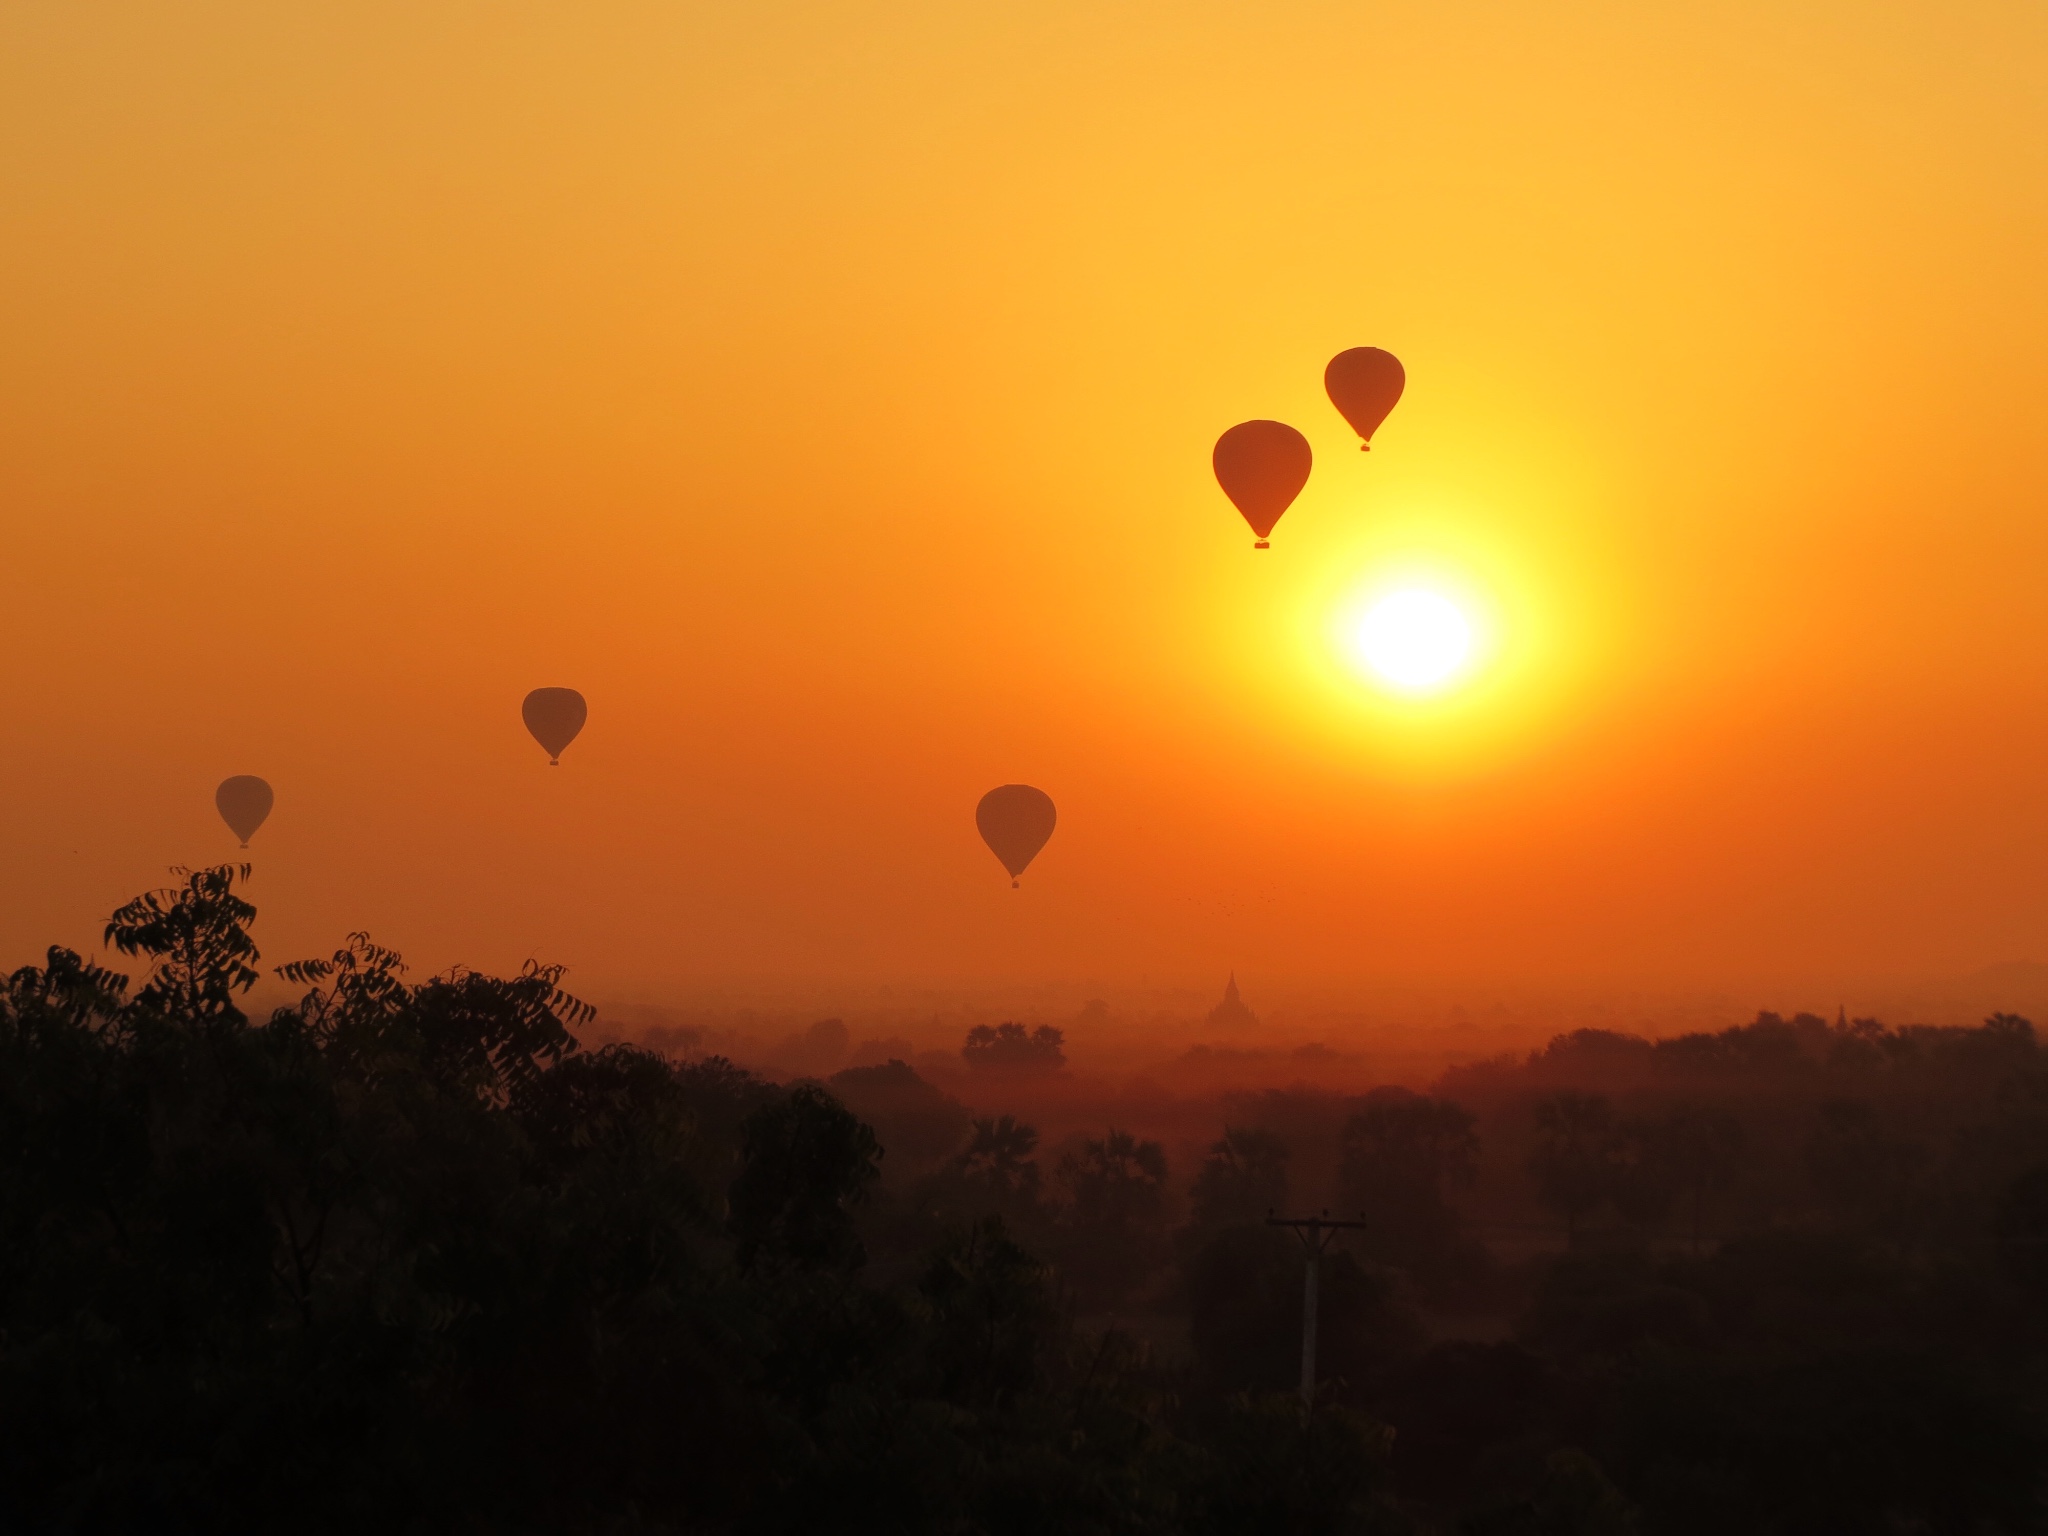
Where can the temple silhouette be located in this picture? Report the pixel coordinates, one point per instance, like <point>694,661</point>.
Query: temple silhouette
<point>1232,1013</point>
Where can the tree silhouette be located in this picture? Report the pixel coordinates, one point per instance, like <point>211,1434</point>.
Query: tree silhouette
<point>1574,1159</point>
<point>196,936</point>
<point>1012,1048</point>
<point>1869,1173</point>
<point>1242,1179</point>
<point>1114,1190</point>
<point>997,1162</point>
<point>2022,1231</point>
<point>807,1163</point>
<point>1400,1150</point>
<point>922,1125</point>
<point>409,1255</point>
<point>1115,1185</point>
<point>993,1317</point>
<point>1695,1148</point>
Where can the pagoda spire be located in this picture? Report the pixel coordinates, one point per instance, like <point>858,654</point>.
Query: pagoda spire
<point>1232,1013</point>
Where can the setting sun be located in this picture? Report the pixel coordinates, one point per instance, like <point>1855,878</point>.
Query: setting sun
<point>1414,639</point>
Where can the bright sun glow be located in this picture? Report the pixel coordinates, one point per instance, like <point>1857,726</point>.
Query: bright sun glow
<point>1415,639</point>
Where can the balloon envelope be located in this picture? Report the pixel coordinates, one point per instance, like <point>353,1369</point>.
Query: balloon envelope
<point>243,802</point>
<point>1364,385</point>
<point>554,715</point>
<point>1015,820</point>
<point>1262,466</point>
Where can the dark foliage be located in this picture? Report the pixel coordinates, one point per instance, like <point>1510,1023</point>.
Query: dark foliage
<point>1576,1163</point>
<point>997,1167</point>
<point>1402,1154</point>
<point>1013,1048</point>
<point>921,1125</point>
<point>1113,1192</point>
<point>805,1162</point>
<point>406,1257</point>
<point>1243,1179</point>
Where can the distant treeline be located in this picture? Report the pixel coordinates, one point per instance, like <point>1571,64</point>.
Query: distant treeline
<point>404,1257</point>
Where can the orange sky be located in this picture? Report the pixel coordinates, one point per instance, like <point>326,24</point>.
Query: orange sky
<point>826,390</point>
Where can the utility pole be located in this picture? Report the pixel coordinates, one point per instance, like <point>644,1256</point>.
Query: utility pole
<point>1315,1233</point>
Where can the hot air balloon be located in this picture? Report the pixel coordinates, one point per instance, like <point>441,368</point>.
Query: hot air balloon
<point>1015,820</point>
<point>1262,466</point>
<point>554,715</point>
<point>1364,385</point>
<point>244,803</point>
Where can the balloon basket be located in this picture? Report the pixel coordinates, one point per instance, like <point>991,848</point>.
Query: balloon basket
<point>1262,544</point>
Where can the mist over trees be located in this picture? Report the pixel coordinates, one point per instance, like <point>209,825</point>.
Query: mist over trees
<point>1012,1048</point>
<point>409,1254</point>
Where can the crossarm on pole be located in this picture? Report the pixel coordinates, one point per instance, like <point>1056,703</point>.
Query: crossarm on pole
<point>1315,1233</point>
